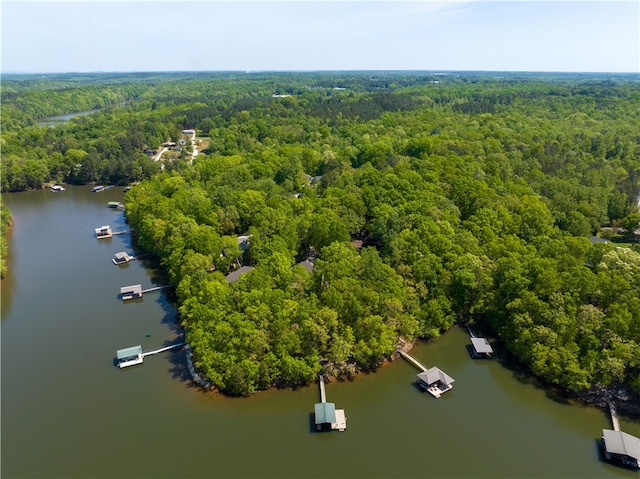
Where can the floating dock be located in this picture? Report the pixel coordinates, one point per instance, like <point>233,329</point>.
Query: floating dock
<point>122,257</point>
<point>619,446</point>
<point>131,356</point>
<point>326,414</point>
<point>135,291</point>
<point>479,347</point>
<point>104,232</point>
<point>115,204</point>
<point>435,381</point>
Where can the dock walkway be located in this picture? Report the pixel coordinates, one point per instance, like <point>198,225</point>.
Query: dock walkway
<point>166,348</point>
<point>323,395</point>
<point>412,360</point>
<point>157,288</point>
<point>614,416</point>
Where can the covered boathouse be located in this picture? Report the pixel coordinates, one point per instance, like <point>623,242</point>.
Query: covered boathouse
<point>104,232</point>
<point>129,356</point>
<point>121,258</point>
<point>131,292</point>
<point>480,348</point>
<point>621,447</point>
<point>435,381</point>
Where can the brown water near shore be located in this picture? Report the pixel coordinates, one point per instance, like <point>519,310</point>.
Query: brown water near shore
<point>68,412</point>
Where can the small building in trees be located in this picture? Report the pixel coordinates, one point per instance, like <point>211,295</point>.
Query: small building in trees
<point>235,275</point>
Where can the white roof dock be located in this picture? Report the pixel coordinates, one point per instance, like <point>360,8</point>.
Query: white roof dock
<point>435,381</point>
<point>625,446</point>
<point>481,345</point>
<point>129,356</point>
<point>131,292</point>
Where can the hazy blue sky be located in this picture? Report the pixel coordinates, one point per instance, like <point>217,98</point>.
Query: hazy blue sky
<point>85,36</point>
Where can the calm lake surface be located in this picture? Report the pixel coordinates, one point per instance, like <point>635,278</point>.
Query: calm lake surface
<point>68,412</point>
<point>60,119</point>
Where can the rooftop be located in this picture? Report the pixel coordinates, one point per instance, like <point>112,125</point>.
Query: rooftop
<point>235,275</point>
<point>325,413</point>
<point>481,345</point>
<point>618,442</point>
<point>434,375</point>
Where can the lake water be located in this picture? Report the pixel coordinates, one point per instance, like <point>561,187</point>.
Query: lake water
<point>69,412</point>
<point>60,119</point>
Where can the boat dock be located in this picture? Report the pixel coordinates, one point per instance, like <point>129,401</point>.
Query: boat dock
<point>122,257</point>
<point>135,291</point>
<point>326,414</point>
<point>131,356</point>
<point>619,446</point>
<point>435,381</point>
<point>106,232</point>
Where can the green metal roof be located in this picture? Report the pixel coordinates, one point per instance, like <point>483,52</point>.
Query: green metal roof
<point>325,413</point>
<point>129,352</point>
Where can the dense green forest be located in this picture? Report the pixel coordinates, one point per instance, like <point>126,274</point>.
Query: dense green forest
<point>5,222</point>
<point>422,200</point>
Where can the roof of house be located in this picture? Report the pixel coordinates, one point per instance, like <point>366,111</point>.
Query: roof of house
<point>433,375</point>
<point>325,412</point>
<point>618,442</point>
<point>306,264</point>
<point>481,345</point>
<point>235,275</point>
<point>121,255</point>
<point>128,352</point>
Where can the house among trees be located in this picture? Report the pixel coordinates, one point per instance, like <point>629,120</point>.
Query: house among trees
<point>104,232</point>
<point>621,447</point>
<point>306,264</point>
<point>435,381</point>
<point>235,275</point>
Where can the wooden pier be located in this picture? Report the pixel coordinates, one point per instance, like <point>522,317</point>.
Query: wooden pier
<point>161,350</point>
<point>157,288</point>
<point>323,395</point>
<point>614,416</point>
<point>135,291</point>
<point>413,360</point>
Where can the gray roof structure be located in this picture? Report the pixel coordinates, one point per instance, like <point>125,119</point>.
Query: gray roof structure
<point>306,264</point>
<point>618,442</point>
<point>325,413</point>
<point>134,289</point>
<point>434,375</point>
<point>129,352</point>
<point>481,345</point>
<point>235,275</point>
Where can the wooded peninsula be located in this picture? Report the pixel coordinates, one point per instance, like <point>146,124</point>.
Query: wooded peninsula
<point>364,207</point>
